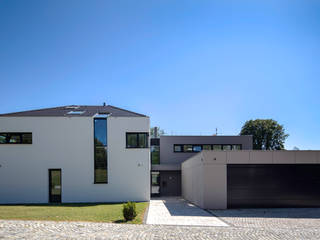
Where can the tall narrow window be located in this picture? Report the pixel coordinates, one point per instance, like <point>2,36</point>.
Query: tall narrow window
<point>100,151</point>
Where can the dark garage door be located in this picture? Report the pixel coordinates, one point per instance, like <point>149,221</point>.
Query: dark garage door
<point>273,185</point>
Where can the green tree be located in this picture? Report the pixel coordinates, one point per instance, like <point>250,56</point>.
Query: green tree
<point>267,134</point>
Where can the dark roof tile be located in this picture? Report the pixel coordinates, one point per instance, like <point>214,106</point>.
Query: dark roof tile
<point>64,110</point>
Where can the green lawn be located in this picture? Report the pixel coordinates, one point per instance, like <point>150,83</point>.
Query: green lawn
<point>108,212</point>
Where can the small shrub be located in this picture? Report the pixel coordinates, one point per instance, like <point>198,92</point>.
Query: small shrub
<point>129,211</point>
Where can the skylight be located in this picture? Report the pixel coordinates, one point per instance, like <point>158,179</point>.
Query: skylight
<point>75,112</point>
<point>72,107</point>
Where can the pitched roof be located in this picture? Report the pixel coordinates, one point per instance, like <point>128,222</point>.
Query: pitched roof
<point>75,110</point>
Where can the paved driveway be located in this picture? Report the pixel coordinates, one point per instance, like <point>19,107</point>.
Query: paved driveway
<point>177,211</point>
<point>271,218</point>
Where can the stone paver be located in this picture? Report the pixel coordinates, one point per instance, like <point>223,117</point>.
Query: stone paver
<point>84,230</point>
<point>271,217</point>
<point>177,211</point>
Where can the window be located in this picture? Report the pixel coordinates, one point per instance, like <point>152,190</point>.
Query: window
<point>15,138</point>
<point>177,148</point>
<point>155,154</point>
<point>137,140</point>
<point>196,148</point>
<point>236,147</point>
<point>206,147</point>
<point>226,147</point>
<point>100,151</point>
<point>187,148</point>
<point>217,147</point>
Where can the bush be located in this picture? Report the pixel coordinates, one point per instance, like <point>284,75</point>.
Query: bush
<point>129,211</point>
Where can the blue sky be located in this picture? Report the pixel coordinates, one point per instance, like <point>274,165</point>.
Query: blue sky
<point>190,65</point>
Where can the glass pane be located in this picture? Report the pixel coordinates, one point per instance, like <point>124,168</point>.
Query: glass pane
<point>226,147</point>
<point>27,138</point>
<point>3,137</point>
<point>216,147</point>
<point>55,182</point>
<point>101,175</point>
<point>177,148</point>
<point>206,147</point>
<point>100,132</point>
<point>143,140</point>
<point>197,148</point>
<point>14,138</point>
<point>155,155</point>
<point>100,164</point>
<point>187,148</point>
<point>155,182</point>
<point>236,147</point>
<point>132,140</point>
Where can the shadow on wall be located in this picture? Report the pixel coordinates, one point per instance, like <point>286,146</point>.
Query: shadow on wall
<point>269,213</point>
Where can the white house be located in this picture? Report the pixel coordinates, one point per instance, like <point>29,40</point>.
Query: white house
<point>74,154</point>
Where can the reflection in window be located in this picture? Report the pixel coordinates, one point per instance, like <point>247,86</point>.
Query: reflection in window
<point>206,147</point>
<point>155,154</point>
<point>187,148</point>
<point>217,147</point>
<point>155,182</point>
<point>100,150</point>
<point>177,148</point>
<point>196,148</point>
<point>236,147</point>
<point>137,140</point>
<point>15,138</point>
<point>226,147</point>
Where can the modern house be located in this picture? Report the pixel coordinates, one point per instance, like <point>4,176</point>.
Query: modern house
<point>169,152</point>
<point>74,154</point>
<point>102,154</point>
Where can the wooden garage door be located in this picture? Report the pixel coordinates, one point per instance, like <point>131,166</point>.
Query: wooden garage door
<point>273,185</point>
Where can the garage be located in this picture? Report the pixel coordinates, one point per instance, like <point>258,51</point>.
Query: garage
<point>273,185</point>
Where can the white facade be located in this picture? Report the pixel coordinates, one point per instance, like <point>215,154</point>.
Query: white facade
<point>67,143</point>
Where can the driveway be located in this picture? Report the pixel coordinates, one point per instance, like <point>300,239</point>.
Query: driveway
<point>177,211</point>
<point>271,218</point>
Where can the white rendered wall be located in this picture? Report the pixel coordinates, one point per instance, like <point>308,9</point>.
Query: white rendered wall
<point>67,143</point>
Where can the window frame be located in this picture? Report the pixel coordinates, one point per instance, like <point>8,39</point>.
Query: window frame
<point>20,134</point>
<point>99,146</point>
<point>137,140</point>
<point>211,145</point>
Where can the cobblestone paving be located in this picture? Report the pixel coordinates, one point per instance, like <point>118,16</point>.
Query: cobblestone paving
<point>271,217</point>
<point>10,229</point>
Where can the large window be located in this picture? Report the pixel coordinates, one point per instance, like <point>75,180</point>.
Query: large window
<point>199,147</point>
<point>15,138</point>
<point>100,151</point>
<point>137,140</point>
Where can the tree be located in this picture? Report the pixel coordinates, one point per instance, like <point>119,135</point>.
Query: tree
<point>155,132</point>
<point>267,134</point>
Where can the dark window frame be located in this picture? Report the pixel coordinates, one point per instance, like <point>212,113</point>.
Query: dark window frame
<point>137,136</point>
<point>182,147</point>
<point>20,134</point>
<point>94,151</point>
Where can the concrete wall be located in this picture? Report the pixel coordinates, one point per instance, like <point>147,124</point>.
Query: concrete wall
<point>168,156</point>
<point>204,176</point>
<point>67,143</point>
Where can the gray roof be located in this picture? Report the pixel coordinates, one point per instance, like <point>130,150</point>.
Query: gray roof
<point>87,111</point>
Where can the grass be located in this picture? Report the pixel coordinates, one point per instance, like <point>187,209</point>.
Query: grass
<point>100,212</point>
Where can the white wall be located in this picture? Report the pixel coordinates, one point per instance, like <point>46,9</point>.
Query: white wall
<point>67,143</point>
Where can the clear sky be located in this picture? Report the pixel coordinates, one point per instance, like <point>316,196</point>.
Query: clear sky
<point>191,66</point>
